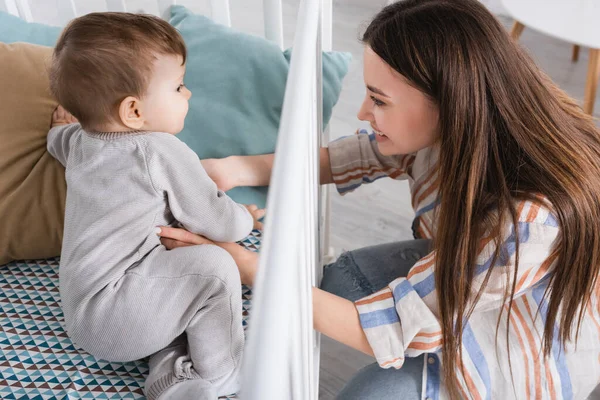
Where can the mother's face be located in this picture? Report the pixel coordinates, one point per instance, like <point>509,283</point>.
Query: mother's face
<point>404,119</point>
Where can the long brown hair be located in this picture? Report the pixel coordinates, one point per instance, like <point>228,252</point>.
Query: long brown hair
<point>506,132</point>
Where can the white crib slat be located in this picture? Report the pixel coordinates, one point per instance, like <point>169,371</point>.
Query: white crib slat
<point>163,8</point>
<point>326,25</point>
<point>273,21</point>
<point>317,199</point>
<point>220,12</point>
<point>10,6</point>
<point>116,5</point>
<point>19,8</point>
<point>66,10</point>
<point>25,10</point>
<point>312,232</point>
<point>325,212</point>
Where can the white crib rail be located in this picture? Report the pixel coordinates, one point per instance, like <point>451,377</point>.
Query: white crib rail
<point>281,360</point>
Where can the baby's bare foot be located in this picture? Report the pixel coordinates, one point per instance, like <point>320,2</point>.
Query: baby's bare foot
<point>60,116</point>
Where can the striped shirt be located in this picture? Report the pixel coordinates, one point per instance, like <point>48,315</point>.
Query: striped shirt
<point>402,320</point>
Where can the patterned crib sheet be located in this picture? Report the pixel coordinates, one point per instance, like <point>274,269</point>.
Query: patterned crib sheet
<point>37,358</point>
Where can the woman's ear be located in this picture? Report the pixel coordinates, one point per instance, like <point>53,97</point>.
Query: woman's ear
<point>130,113</point>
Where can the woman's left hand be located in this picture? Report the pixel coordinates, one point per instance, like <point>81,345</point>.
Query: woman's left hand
<point>246,260</point>
<point>172,238</point>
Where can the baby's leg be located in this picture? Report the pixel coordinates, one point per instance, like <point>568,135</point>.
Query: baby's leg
<point>172,376</point>
<point>194,291</point>
<point>207,363</point>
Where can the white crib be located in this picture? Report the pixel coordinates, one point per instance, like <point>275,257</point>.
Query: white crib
<point>282,352</point>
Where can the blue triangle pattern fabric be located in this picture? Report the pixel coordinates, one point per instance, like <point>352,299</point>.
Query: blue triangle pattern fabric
<point>37,358</point>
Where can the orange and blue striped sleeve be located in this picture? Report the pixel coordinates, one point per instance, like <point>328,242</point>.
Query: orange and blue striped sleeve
<point>356,160</point>
<point>402,320</point>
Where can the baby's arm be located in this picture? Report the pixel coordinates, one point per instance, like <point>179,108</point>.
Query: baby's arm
<point>60,134</point>
<point>193,197</point>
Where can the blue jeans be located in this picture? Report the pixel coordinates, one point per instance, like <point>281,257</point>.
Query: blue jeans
<point>357,274</point>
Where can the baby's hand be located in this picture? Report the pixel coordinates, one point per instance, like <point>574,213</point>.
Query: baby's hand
<point>60,116</point>
<point>256,215</point>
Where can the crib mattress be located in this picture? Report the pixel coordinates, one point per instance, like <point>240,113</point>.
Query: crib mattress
<point>37,358</point>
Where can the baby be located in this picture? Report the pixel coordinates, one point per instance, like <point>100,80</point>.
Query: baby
<point>124,296</point>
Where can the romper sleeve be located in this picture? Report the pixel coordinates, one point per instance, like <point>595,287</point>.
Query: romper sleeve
<point>193,196</point>
<point>402,320</point>
<point>59,141</point>
<point>356,160</point>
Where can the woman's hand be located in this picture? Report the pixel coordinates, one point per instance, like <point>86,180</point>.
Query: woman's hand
<point>234,171</point>
<point>172,238</point>
<point>223,171</point>
<point>246,260</point>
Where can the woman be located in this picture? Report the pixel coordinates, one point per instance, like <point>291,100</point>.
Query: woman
<point>500,290</point>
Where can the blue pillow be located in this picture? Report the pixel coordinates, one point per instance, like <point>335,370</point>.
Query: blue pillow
<point>237,82</point>
<point>14,29</point>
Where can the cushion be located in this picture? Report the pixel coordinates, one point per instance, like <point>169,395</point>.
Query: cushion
<point>238,84</point>
<point>32,183</point>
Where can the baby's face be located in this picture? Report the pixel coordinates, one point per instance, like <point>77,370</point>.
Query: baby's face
<point>166,101</point>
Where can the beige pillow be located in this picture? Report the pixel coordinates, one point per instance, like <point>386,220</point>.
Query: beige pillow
<point>32,183</point>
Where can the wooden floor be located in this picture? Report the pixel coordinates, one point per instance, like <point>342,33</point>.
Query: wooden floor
<point>379,212</point>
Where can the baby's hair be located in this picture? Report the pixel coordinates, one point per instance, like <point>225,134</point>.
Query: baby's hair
<point>101,58</point>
